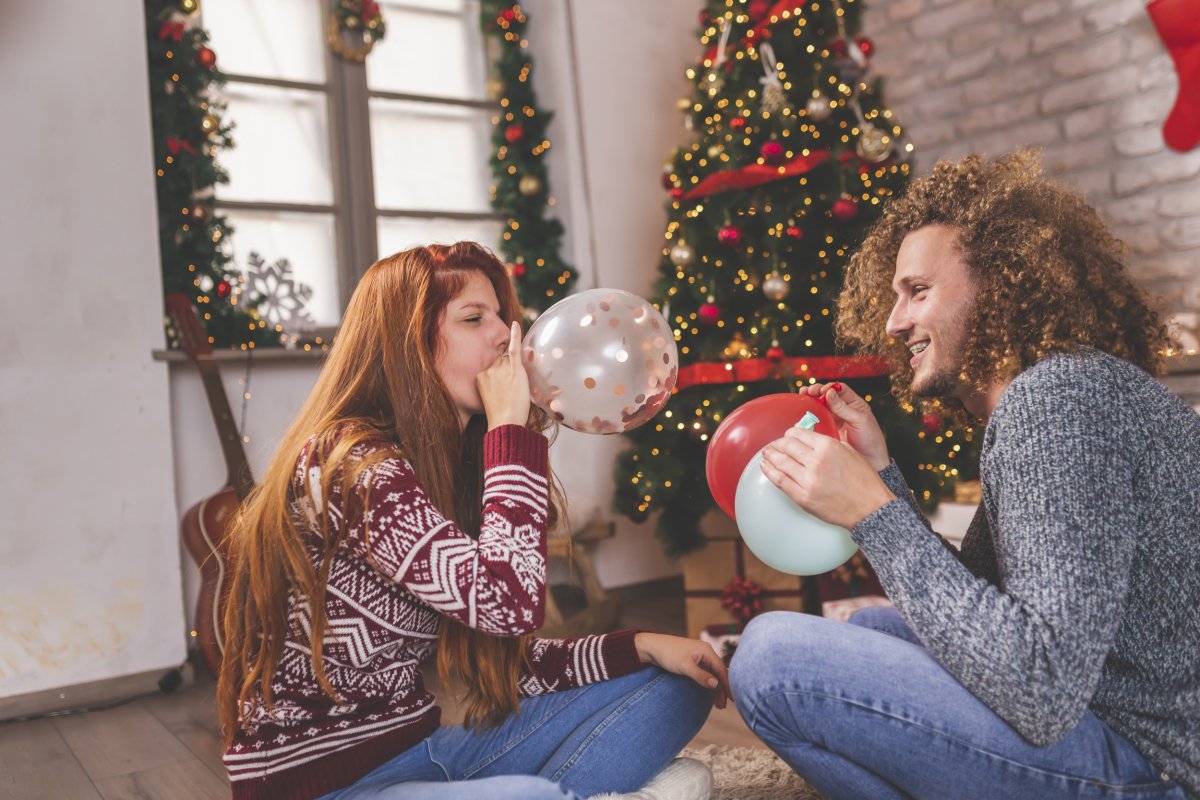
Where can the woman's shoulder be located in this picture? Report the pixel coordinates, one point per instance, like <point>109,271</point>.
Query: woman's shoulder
<point>356,446</point>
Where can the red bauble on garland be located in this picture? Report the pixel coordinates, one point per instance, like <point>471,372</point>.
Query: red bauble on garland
<point>730,235</point>
<point>206,57</point>
<point>737,123</point>
<point>844,209</point>
<point>676,193</point>
<point>667,183</point>
<point>865,45</point>
<point>709,313</point>
<point>223,289</point>
<point>514,134</point>
<point>771,151</point>
<point>932,424</point>
<point>794,232</point>
<point>518,270</point>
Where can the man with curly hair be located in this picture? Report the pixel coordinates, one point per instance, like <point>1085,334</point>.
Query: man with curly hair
<point>1058,654</point>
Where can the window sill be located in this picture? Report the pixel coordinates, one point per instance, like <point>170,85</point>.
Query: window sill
<point>261,354</point>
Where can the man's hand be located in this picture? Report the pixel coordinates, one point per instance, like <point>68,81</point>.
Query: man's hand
<point>856,424</point>
<point>686,657</point>
<point>825,477</point>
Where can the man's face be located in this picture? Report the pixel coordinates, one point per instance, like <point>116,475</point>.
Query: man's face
<point>935,296</point>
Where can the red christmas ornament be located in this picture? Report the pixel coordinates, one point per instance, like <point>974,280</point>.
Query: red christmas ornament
<point>513,134</point>
<point>838,48</point>
<point>771,151</point>
<point>709,313</point>
<point>730,235</point>
<point>865,45</point>
<point>206,57</point>
<point>737,123</point>
<point>508,15</point>
<point>667,183</point>
<point>844,209</point>
<point>794,232</point>
<point>518,270</point>
<point>932,423</point>
<point>775,353</point>
<point>757,9</point>
<point>702,18</point>
<point>223,289</point>
<point>676,193</point>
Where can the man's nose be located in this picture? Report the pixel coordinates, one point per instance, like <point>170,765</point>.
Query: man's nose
<point>897,321</point>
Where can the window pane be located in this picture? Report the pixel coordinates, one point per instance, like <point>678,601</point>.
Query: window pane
<point>429,52</point>
<point>429,156</point>
<point>306,241</point>
<point>282,146</point>
<point>268,38</point>
<point>401,233</point>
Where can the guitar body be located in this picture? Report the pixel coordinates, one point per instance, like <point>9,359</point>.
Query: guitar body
<point>206,524</point>
<point>204,530</point>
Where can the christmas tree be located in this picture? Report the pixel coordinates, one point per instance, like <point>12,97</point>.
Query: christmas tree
<point>793,153</point>
<point>188,132</point>
<point>531,240</point>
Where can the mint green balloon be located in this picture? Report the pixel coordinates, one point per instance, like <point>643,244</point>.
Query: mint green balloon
<point>782,534</point>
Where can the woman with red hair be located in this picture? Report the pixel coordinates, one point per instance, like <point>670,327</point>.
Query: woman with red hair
<point>406,507</point>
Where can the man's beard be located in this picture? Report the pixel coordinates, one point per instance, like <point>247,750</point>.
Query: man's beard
<point>940,385</point>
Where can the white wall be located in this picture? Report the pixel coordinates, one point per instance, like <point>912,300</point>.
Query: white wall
<point>89,565</point>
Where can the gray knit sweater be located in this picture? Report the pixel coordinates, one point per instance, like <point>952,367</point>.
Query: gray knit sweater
<point>1078,584</point>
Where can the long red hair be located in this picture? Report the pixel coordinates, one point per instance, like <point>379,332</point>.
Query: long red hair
<point>379,382</point>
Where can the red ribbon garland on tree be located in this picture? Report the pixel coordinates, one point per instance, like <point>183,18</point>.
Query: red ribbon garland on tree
<point>756,174</point>
<point>751,370</point>
<point>175,145</point>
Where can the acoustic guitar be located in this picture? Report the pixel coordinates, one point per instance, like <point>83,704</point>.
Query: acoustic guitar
<point>205,524</point>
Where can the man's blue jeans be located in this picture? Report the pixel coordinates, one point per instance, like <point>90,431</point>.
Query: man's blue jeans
<point>863,711</point>
<point>611,736</point>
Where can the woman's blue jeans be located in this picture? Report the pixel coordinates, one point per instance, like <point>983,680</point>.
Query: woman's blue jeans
<point>611,736</point>
<point>863,711</point>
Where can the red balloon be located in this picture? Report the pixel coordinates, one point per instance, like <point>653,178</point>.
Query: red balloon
<point>750,428</point>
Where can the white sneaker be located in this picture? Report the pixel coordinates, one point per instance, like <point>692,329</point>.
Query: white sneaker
<point>682,779</point>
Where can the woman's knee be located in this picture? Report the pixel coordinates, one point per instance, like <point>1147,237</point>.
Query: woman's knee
<point>682,693</point>
<point>764,649</point>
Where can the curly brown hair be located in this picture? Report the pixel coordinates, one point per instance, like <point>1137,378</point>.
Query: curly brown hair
<point>1050,275</point>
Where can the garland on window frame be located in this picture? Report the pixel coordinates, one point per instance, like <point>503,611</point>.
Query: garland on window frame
<point>188,131</point>
<point>353,28</point>
<point>531,240</point>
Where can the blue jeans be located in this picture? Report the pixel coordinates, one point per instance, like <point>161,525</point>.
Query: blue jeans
<point>863,711</point>
<point>611,736</point>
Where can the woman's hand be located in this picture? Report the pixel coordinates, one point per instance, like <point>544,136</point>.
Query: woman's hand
<point>504,386</point>
<point>686,657</point>
<point>856,424</point>
<point>825,477</point>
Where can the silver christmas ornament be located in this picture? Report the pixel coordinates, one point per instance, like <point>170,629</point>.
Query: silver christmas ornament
<point>775,287</point>
<point>874,144</point>
<point>818,108</point>
<point>682,255</point>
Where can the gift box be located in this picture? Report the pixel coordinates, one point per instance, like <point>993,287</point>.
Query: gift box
<point>725,584</point>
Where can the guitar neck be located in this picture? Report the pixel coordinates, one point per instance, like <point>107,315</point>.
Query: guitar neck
<point>238,468</point>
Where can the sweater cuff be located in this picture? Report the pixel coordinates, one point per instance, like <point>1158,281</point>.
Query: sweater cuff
<point>514,444</point>
<point>893,479</point>
<point>883,530</point>
<point>620,653</point>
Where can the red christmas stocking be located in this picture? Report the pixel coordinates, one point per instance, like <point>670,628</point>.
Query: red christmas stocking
<point>1178,24</point>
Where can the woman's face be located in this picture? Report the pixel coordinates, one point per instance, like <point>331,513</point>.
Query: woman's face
<point>471,335</point>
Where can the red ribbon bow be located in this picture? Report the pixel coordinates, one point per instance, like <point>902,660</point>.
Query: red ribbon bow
<point>175,145</point>
<point>742,597</point>
<point>171,30</point>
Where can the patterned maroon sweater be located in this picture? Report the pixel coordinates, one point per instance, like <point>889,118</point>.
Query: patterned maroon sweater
<point>390,584</point>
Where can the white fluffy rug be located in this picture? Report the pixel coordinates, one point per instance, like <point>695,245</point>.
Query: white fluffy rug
<point>751,773</point>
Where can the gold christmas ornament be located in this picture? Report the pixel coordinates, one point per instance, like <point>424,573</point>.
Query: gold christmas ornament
<point>209,124</point>
<point>819,108</point>
<point>715,150</point>
<point>683,104</point>
<point>775,287</point>
<point>189,6</point>
<point>494,89</point>
<point>737,348</point>
<point>529,185</point>
<point>874,145</point>
<point>682,255</point>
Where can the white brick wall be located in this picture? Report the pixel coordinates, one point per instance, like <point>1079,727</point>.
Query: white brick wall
<point>1087,81</point>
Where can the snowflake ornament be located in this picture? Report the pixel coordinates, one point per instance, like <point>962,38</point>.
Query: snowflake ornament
<point>279,298</point>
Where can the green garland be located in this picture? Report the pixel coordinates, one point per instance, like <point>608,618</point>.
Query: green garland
<point>188,131</point>
<point>531,241</point>
<point>752,268</point>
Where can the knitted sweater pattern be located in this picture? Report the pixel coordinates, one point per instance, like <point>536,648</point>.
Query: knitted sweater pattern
<point>399,568</point>
<point>1078,581</point>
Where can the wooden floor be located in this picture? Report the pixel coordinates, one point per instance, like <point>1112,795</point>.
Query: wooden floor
<point>166,747</point>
